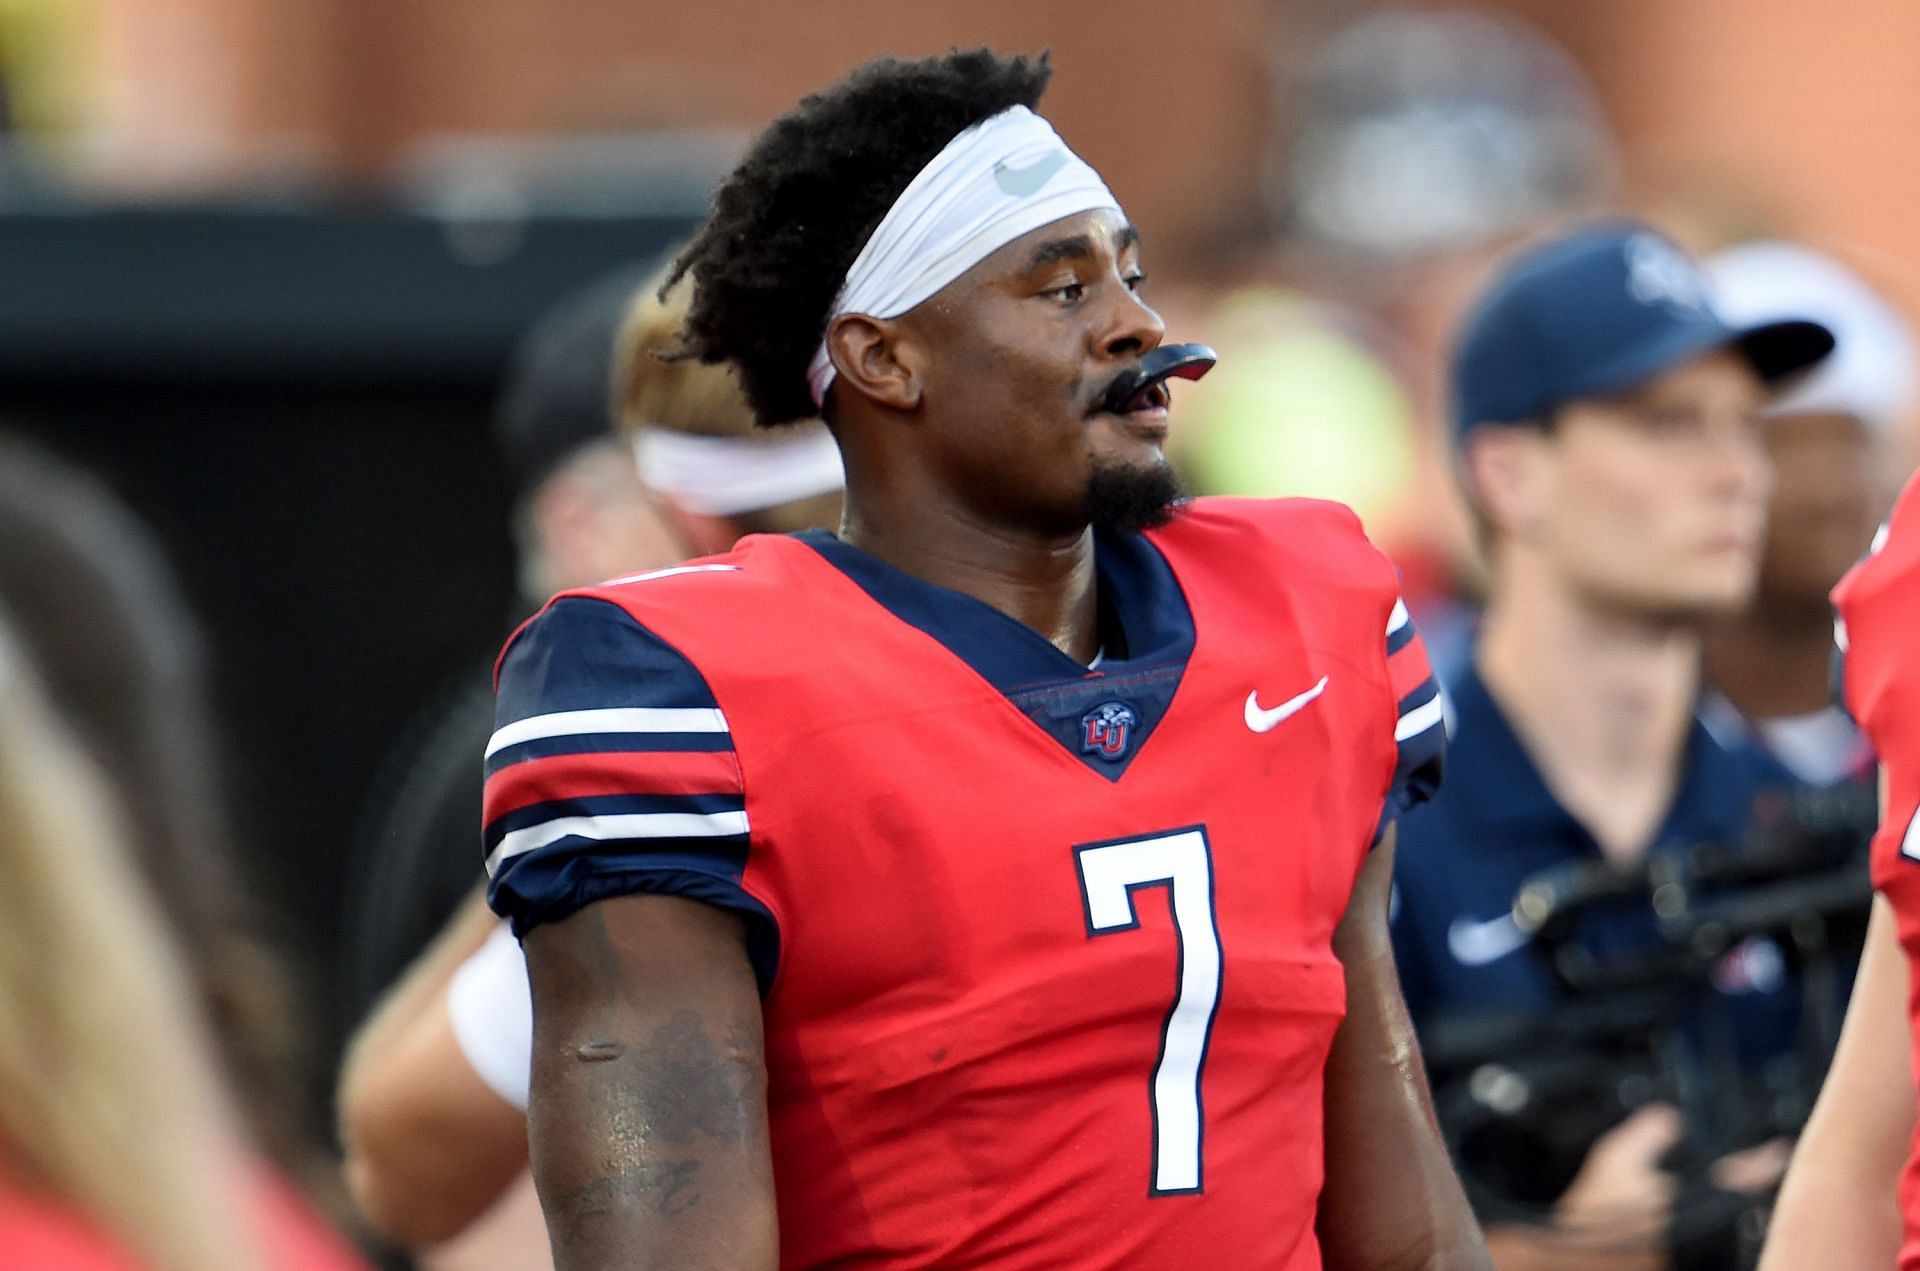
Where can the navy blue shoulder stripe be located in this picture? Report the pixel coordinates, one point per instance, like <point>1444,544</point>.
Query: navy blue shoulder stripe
<point>582,653</point>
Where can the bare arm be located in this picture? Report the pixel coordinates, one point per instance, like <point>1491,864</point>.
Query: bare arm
<point>1838,1206</point>
<point>648,1111</point>
<point>1391,1200</point>
<point>426,979</point>
<point>1548,1249</point>
<point>428,1145</point>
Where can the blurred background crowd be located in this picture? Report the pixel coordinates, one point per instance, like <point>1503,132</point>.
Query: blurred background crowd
<point>324,336</point>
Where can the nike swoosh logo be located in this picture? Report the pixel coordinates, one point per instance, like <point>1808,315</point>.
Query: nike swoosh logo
<point>1021,182</point>
<point>1261,721</point>
<point>1478,943</point>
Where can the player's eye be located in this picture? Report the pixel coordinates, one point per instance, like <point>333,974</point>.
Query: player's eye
<point>1135,281</point>
<point>1069,294</point>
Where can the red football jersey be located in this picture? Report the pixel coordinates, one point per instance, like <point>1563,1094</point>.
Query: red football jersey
<point>1046,949</point>
<point>1879,607</point>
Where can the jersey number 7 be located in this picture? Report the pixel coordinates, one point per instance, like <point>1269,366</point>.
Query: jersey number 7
<point>1182,862</point>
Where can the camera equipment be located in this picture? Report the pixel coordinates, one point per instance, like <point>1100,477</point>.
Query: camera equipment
<point>1522,1097</point>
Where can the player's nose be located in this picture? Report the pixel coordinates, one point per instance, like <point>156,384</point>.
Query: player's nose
<point>1131,328</point>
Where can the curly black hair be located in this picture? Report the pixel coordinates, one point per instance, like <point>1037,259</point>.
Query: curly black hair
<point>789,221</point>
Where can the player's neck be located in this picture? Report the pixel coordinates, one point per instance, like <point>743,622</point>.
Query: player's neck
<point>1603,702</point>
<point>1044,581</point>
<point>1774,664</point>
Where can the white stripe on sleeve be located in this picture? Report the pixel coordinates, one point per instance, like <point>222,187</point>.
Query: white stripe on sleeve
<point>632,719</point>
<point>630,825</point>
<point>1398,618</point>
<point>1420,718</point>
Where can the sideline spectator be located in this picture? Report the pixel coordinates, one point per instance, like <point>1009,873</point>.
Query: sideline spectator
<point>117,1150</point>
<point>1608,448</point>
<point>1833,440</point>
<point>581,515</point>
<point>98,611</point>
<point>434,1091</point>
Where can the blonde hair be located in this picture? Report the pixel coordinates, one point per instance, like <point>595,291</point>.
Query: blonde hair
<point>684,395</point>
<point>654,387</point>
<point>108,1098</point>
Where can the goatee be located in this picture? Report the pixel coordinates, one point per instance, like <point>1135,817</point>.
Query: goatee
<point>1130,499</point>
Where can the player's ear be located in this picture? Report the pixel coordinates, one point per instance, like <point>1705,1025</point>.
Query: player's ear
<point>1506,472</point>
<point>873,357</point>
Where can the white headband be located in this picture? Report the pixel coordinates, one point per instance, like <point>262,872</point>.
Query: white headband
<point>1003,177</point>
<point>1872,373</point>
<point>723,476</point>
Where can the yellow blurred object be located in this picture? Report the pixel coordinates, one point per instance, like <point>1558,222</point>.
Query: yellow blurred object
<point>44,58</point>
<point>1297,406</point>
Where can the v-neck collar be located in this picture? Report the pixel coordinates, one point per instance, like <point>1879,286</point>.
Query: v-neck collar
<point>1101,715</point>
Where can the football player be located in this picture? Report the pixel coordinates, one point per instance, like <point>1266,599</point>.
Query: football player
<point>1002,882</point>
<point>1851,1200</point>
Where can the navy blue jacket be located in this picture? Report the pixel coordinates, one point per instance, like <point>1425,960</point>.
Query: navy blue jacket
<point>1493,824</point>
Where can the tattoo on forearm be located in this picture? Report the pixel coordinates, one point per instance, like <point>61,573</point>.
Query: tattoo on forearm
<point>690,1085</point>
<point>658,1116</point>
<point>694,1087</point>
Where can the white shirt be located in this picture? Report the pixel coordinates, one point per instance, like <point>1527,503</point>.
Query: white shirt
<point>491,1006</point>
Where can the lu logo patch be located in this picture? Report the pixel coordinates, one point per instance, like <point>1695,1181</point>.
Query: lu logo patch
<point>1107,729</point>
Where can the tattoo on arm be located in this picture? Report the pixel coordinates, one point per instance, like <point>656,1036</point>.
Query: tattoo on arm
<point>676,1089</point>
<point>695,1088</point>
<point>657,1123</point>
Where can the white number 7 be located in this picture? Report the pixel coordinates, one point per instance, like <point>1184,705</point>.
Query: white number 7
<point>1109,875</point>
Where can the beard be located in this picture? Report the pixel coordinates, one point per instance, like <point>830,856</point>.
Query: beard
<point>1128,499</point>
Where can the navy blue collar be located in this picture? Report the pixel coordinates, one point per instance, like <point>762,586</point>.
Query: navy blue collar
<point>1138,593</point>
<point>1491,770</point>
<point>1101,716</point>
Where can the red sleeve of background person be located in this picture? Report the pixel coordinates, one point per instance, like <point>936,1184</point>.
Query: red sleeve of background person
<point>41,1234</point>
<point>293,1234</point>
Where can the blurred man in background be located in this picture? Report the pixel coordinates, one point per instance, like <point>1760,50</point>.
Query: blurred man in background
<point>1609,447</point>
<point>580,514</point>
<point>433,1099</point>
<point>1835,442</point>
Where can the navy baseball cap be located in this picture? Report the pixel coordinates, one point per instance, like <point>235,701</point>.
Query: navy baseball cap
<point>1600,312</point>
<point>557,394</point>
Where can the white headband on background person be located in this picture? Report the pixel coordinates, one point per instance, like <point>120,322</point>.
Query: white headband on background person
<point>1872,373</point>
<point>1005,176</point>
<point>724,476</point>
